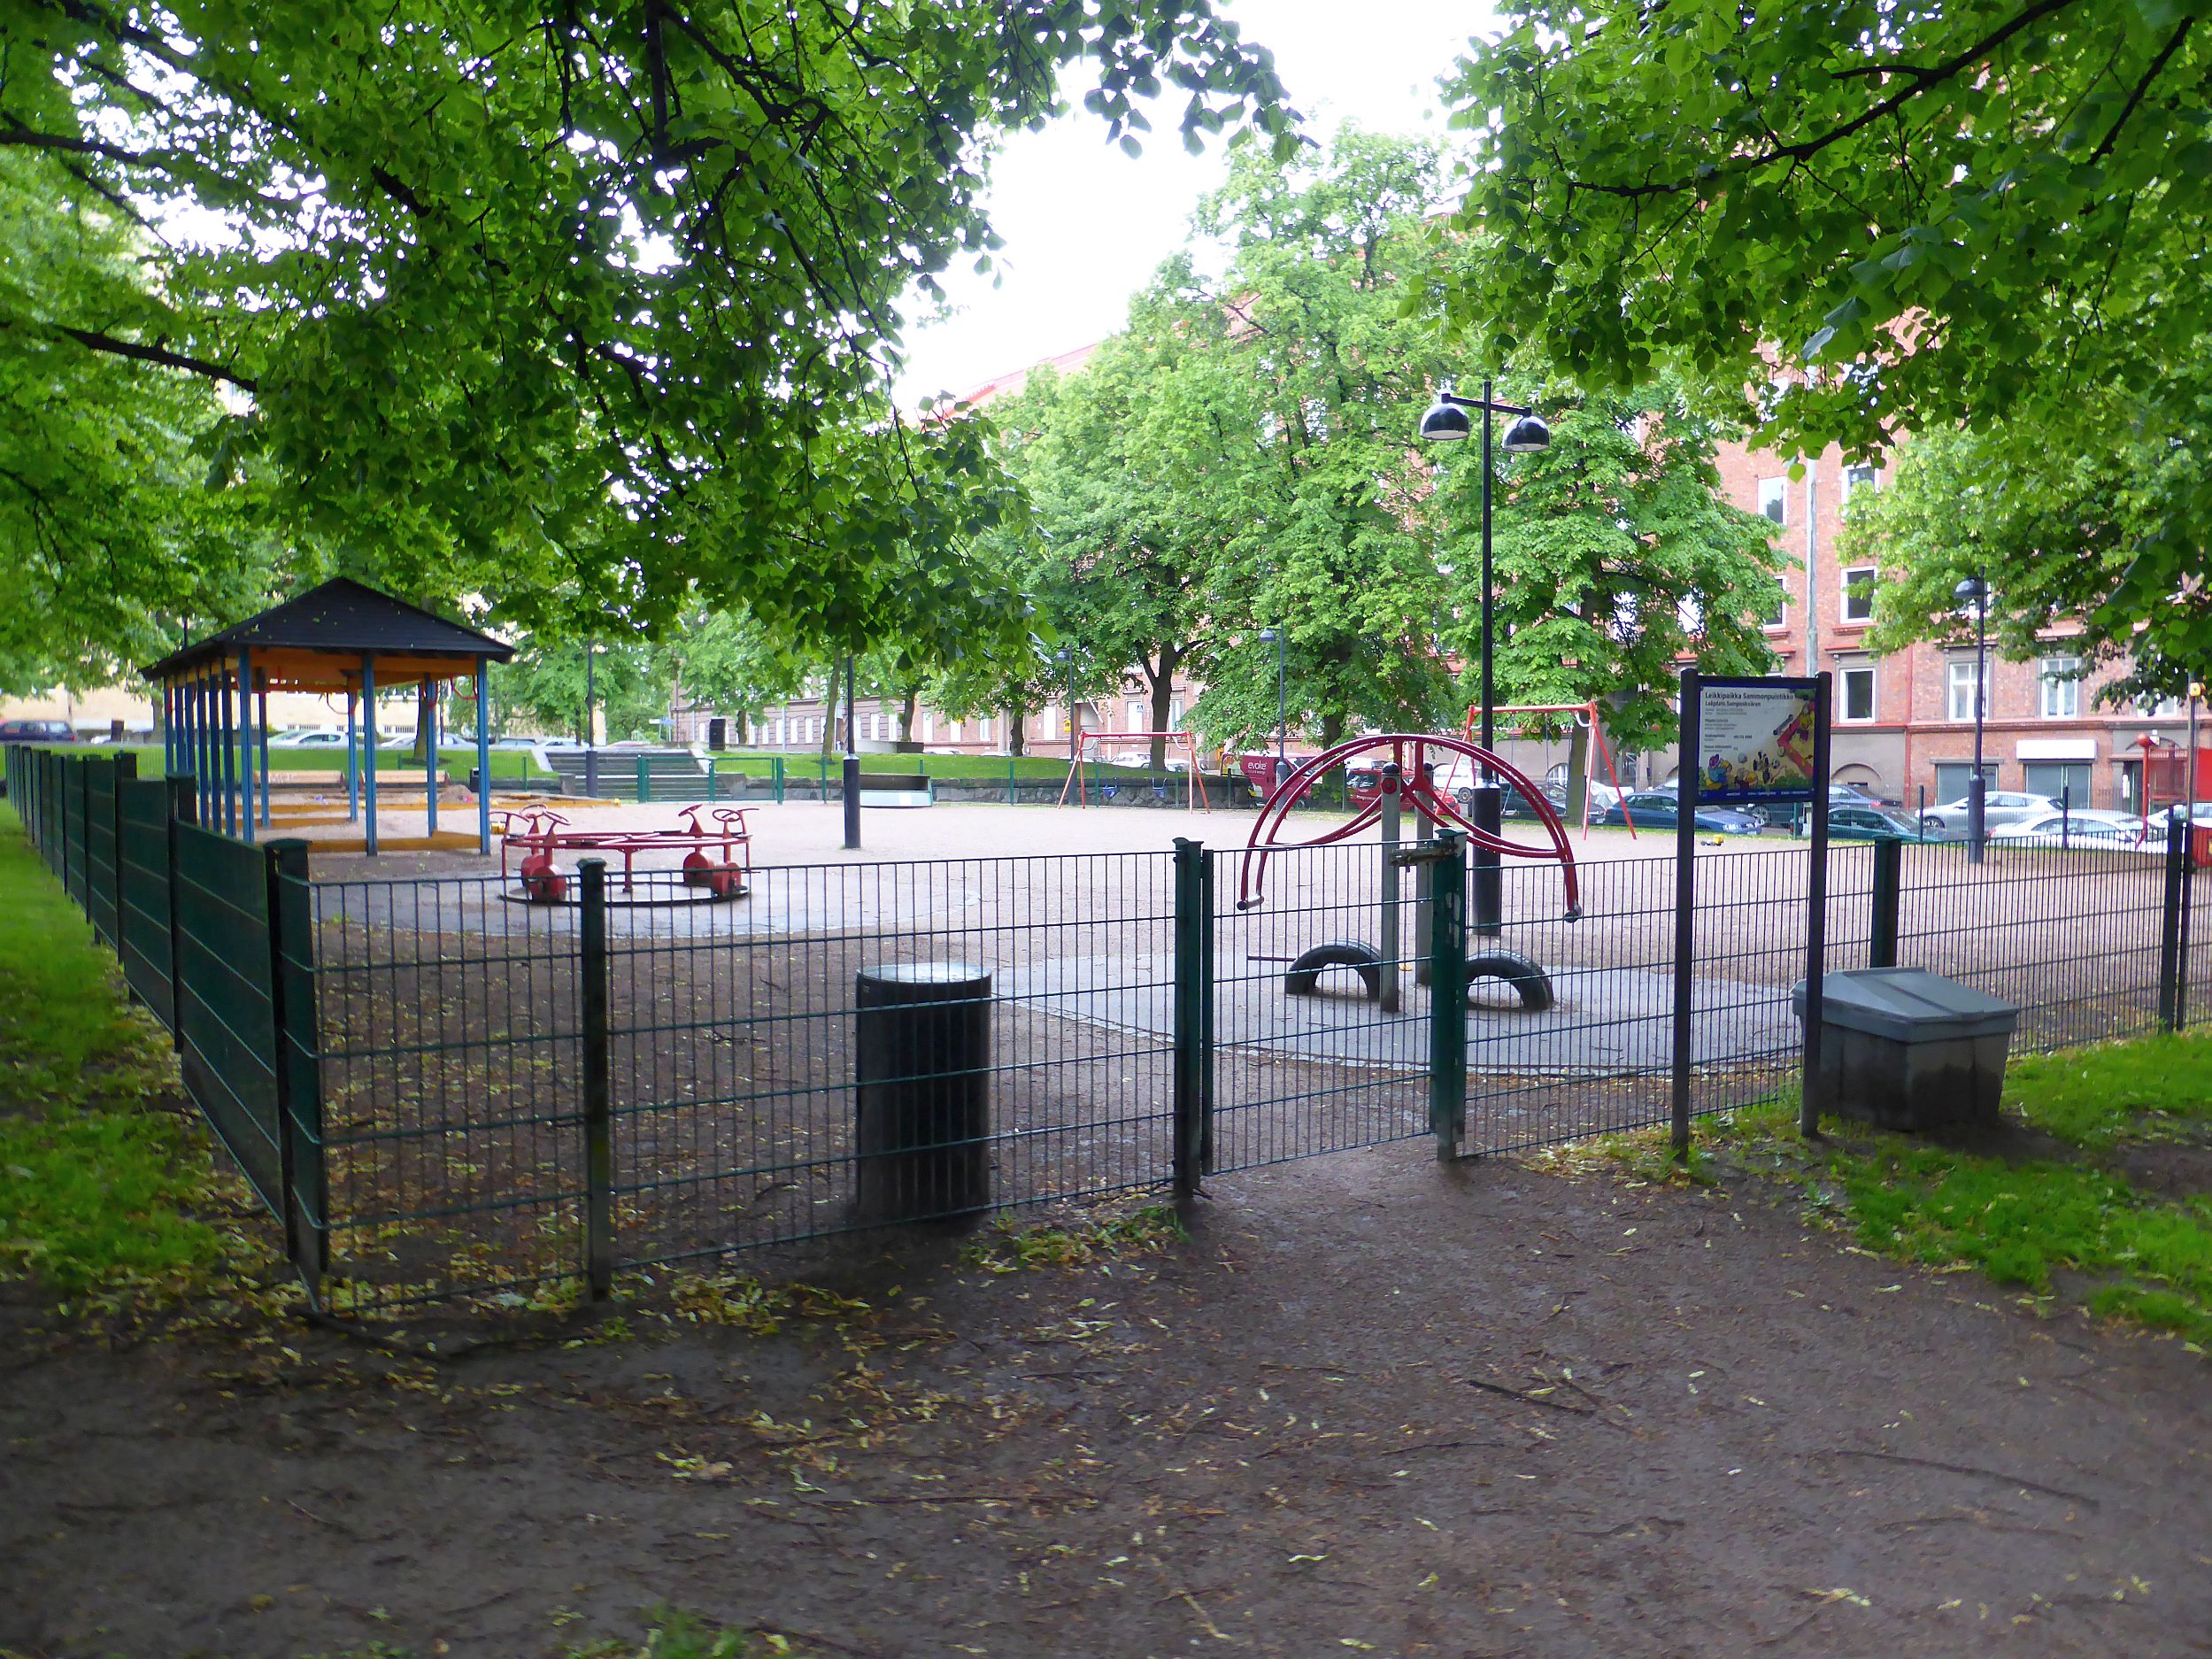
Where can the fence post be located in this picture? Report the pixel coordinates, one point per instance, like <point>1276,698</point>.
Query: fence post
<point>306,1194</point>
<point>711,762</point>
<point>644,780</point>
<point>1193,990</point>
<point>1207,980</point>
<point>1447,993</point>
<point>598,1083</point>
<point>776,778</point>
<point>2169,968</point>
<point>1889,886</point>
<point>183,805</point>
<point>2182,828</point>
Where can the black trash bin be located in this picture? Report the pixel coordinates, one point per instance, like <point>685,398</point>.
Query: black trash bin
<point>921,1067</point>
<point>1903,1048</point>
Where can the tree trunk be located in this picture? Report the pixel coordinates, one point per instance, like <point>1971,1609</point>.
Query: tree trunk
<point>1331,730</point>
<point>1163,684</point>
<point>1017,730</point>
<point>906,714</point>
<point>425,711</point>
<point>1577,773</point>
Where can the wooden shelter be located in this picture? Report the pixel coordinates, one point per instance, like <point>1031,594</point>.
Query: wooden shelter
<point>340,636</point>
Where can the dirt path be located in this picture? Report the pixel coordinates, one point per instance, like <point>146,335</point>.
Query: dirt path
<point>1341,1419</point>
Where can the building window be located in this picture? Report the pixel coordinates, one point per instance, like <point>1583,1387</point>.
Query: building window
<point>1139,720</point>
<point>1777,612</point>
<point>1858,478</point>
<point>2066,781</point>
<point>2061,688</point>
<point>1961,702</point>
<point>1858,694</point>
<point>1858,594</point>
<point>1175,714</point>
<point>1954,779</point>
<point>1774,498</point>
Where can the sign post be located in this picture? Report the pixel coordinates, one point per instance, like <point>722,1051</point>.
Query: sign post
<point>1760,740</point>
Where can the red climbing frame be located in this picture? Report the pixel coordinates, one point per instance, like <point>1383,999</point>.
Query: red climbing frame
<point>1414,754</point>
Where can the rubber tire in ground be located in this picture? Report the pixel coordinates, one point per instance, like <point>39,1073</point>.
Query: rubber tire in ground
<point>1529,981</point>
<point>1304,977</point>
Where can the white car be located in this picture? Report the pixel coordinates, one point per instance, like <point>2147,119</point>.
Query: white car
<point>2111,832</point>
<point>308,737</point>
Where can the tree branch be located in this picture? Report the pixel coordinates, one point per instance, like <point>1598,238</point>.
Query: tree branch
<point>92,340</point>
<point>2157,67</point>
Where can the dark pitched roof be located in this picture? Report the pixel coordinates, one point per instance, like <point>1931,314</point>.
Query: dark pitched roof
<point>341,616</point>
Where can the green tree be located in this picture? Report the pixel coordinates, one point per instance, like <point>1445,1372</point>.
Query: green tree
<point>118,529</point>
<point>1617,557</point>
<point>1300,438</point>
<point>573,306</point>
<point>1879,217</point>
<point>2060,535</point>
<point>552,681</point>
<point>724,661</point>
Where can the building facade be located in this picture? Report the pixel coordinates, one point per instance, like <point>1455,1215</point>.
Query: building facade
<point>1904,722</point>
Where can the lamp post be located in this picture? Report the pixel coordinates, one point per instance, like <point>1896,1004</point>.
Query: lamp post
<point>850,771</point>
<point>1274,637</point>
<point>1448,421</point>
<point>1974,590</point>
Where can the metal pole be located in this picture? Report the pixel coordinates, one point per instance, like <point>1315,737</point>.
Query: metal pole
<point>261,710</point>
<point>1977,797</point>
<point>368,752</point>
<point>598,1079</point>
<point>1488,815</point>
<point>1445,947</point>
<point>850,771</point>
<point>1816,916</point>
<point>1489,688</point>
<point>352,756</point>
<point>427,709</point>
<point>1282,712</point>
<point>1392,783</point>
<point>227,758</point>
<point>245,739</point>
<point>1685,909</point>
<point>483,756</point>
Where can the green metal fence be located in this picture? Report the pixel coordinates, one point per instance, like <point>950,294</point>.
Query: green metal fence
<point>212,937</point>
<point>441,1089</point>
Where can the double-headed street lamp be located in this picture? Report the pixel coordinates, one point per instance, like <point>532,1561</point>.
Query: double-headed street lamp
<point>1975,591</point>
<point>1448,421</point>
<point>1274,637</point>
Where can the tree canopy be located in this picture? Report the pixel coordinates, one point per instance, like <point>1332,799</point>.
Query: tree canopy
<point>583,307</point>
<point>1871,219</point>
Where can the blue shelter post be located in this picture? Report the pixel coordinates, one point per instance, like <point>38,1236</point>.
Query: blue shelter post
<point>483,758</point>
<point>261,717</point>
<point>352,756</point>
<point>428,711</point>
<point>368,751</point>
<point>227,748</point>
<point>245,741</point>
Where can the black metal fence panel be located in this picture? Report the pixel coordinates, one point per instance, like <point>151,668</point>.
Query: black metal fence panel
<point>226,1018</point>
<point>146,943</point>
<point>100,882</point>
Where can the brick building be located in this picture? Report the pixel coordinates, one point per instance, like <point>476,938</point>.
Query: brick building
<point>1904,723</point>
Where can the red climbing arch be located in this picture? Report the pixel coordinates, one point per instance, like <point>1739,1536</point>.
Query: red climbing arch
<point>1416,756</point>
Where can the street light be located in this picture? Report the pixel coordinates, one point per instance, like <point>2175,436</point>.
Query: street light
<point>1975,591</point>
<point>1448,421</point>
<point>1274,637</point>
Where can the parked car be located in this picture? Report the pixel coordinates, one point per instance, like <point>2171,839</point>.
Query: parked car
<point>308,737</point>
<point>2000,807</point>
<point>2114,831</point>
<point>1853,823</point>
<point>562,744</point>
<point>37,731</point>
<point>1793,814</point>
<point>1657,809</point>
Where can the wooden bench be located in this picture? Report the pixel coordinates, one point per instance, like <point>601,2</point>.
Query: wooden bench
<point>897,789</point>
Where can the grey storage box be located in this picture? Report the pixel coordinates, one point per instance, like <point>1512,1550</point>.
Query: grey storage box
<point>1903,1048</point>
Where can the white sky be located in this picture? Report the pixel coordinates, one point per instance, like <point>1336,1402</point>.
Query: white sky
<point>1086,226</point>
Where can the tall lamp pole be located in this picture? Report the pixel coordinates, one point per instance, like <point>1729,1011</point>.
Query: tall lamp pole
<point>1975,591</point>
<point>1274,637</point>
<point>1448,421</point>
<point>850,770</point>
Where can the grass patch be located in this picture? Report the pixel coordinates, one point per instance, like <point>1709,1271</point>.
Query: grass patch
<point>2072,1228</point>
<point>2155,1087</point>
<point>98,1178</point>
